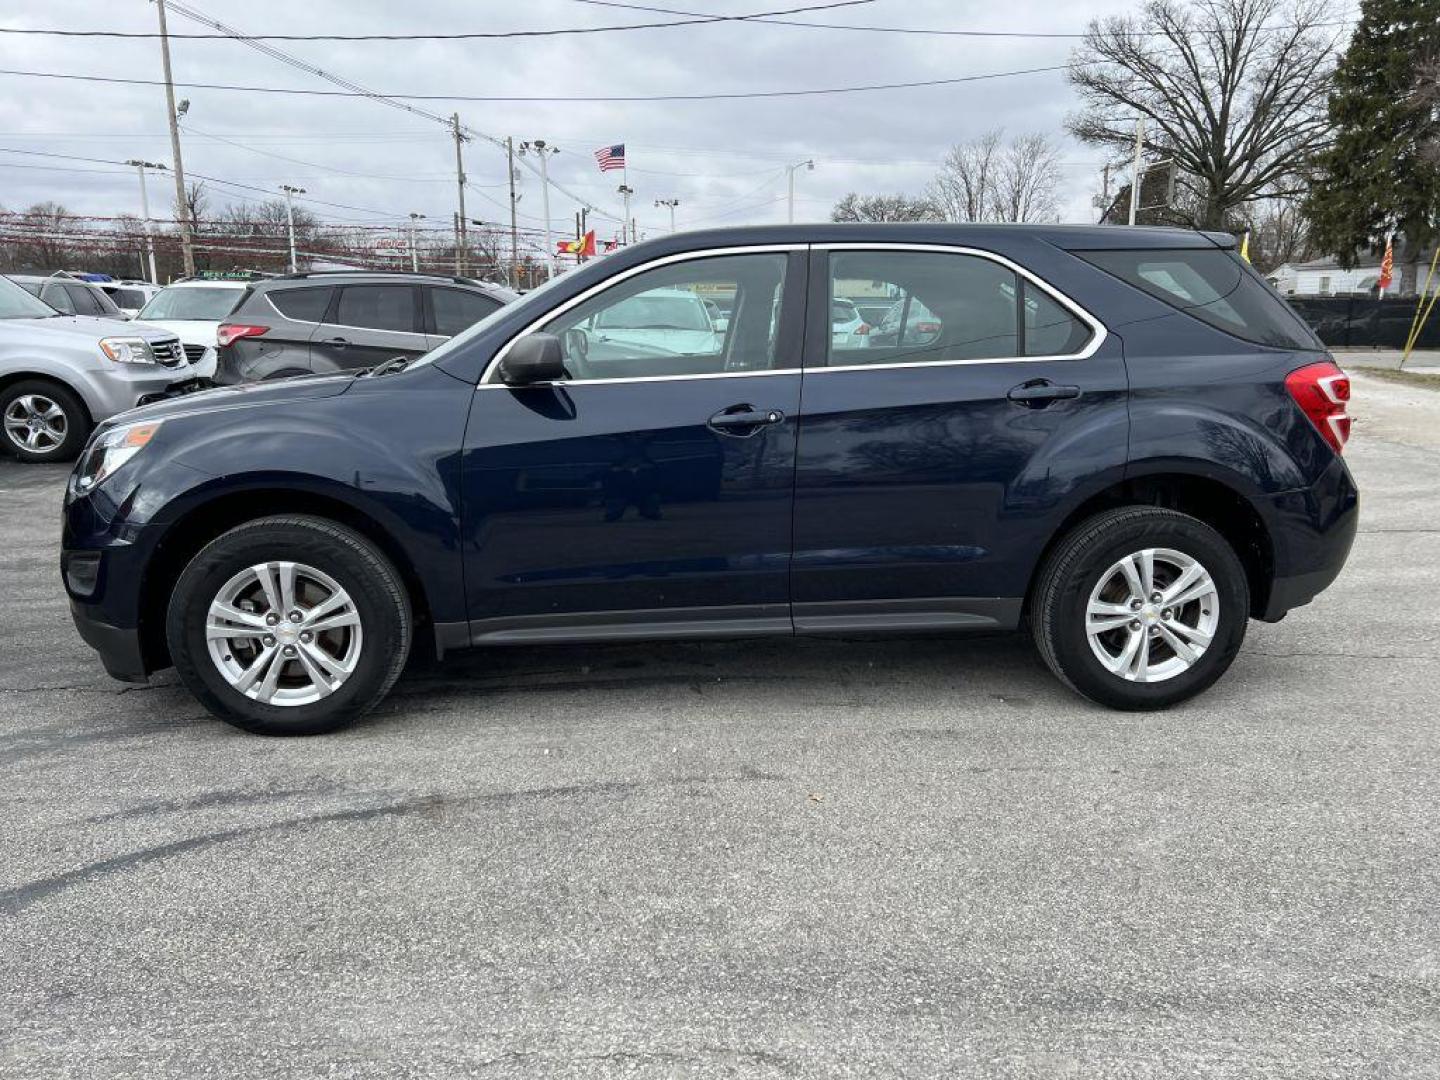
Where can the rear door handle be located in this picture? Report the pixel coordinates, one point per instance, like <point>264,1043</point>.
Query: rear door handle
<point>742,420</point>
<point>338,342</point>
<point>1041,392</point>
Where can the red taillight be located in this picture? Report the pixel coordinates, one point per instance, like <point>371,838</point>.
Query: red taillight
<point>862,329</point>
<point>1321,391</point>
<point>225,333</point>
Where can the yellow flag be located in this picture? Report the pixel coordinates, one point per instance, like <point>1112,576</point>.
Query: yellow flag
<point>1245,246</point>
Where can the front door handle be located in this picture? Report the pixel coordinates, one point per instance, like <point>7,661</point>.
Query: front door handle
<point>743,420</point>
<point>1039,393</point>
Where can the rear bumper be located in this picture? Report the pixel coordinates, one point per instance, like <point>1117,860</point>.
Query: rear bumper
<point>119,647</point>
<point>1312,530</point>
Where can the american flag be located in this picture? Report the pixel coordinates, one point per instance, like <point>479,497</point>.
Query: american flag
<point>610,157</point>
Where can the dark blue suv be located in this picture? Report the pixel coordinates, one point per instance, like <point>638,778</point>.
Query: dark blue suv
<point>1121,438</point>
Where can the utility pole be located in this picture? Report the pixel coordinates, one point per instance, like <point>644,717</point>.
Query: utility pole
<point>414,254</point>
<point>460,252</point>
<point>544,149</point>
<point>140,167</point>
<point>514,229</point>
<point>290,193</point>
<point>671,203</point>
<point>187,243</point>
<point>1135,168</point>
<point>790,177</point>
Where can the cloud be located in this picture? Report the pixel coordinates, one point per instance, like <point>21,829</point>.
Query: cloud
<point>724,160</point>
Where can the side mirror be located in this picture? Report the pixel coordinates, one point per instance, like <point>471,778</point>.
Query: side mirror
<point>535,358</point>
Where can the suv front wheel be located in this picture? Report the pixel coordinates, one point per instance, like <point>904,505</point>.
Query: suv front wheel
<point>42,421</point>
<point>1140,607</point>
<point>289,626</point>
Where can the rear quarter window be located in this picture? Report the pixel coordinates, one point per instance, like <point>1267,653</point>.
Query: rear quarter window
<point>303,305</point>
<point>1214,286</point>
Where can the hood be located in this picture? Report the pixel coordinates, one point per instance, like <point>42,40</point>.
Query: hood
<point>87,326</point>
<point>190,331</point>
<point>246,395</point>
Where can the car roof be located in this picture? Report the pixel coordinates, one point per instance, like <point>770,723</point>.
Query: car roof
<point>208,283</point>
<point>369,277</point>
<point>1067,237</point>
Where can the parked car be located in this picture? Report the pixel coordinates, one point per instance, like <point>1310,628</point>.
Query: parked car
<point>847,328</point>
<point>70,295</point>
<point>873,310</point>
<point>192,310</point>
<point>128,296</point>
<point>922,326</point>
<point>60,374</point>
<point>340,320</point>
<point>661,322</point>
<point>1133,506</point>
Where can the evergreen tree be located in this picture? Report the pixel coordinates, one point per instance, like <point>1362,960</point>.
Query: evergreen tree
<point>1381,172</point>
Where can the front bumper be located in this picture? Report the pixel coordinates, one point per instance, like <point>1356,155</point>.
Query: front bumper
<point>123,387</point>
<point>118,646</point>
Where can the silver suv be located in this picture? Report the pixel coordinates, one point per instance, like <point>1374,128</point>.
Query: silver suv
<point>62,374</point>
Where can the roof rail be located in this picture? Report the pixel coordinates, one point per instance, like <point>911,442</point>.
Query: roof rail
<point>456,278</point>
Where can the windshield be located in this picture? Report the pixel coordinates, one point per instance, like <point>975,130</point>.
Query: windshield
<point>208,304</point>
<point>654,313</point>
<point>534,300</point>
<point>16,303</point>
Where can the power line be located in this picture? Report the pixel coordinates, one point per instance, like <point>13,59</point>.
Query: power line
<point>695,20</point>
<point>527,98</point>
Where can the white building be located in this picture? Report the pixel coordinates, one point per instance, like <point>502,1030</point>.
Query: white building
<point>1324,277</point>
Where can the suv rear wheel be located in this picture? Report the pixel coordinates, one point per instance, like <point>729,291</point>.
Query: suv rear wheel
<point>289,626</point>
<point>42,421</point>
<point>1140,608</point>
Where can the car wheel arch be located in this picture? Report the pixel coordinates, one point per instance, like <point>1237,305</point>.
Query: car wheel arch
<point>1223,506</point>
<point>203,522</point>
<point>10,378</point>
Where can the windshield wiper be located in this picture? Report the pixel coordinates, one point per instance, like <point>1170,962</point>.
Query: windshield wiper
<point>395,363</point>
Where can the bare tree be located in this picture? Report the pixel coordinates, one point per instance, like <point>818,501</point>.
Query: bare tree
<point>988,179</point>
<point>966,186</point>
<point>1234,90</point>
<point>854,207</point>
<point>1279,234</point>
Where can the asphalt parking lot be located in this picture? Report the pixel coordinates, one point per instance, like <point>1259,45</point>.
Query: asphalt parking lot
<point>802,858</point>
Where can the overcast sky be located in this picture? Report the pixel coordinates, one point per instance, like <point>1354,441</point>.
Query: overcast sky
<point>724,160</point>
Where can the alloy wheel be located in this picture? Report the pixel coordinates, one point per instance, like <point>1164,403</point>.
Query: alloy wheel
<point>36,423</point>
<point>1152,615</point>
<point>283,633</point>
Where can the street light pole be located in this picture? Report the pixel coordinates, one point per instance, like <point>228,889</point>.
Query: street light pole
<point>544,149</point>
<point>790,177</point>
<point>187,244</point>
<point>671,203</point>
<point>290,193</point>
<point>1135,168</point>
<point>414,255</point>
<point>140,167</point>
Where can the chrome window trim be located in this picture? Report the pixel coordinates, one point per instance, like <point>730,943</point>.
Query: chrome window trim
<point>492,368</point>
<point>1098,333</point>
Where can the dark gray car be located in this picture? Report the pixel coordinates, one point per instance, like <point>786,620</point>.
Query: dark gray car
<point>332,321</point>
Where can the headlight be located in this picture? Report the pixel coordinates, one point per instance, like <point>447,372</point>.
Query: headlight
<point>124,350</point>
<point>111,450</point>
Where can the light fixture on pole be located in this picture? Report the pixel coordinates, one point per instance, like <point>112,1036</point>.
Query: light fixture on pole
<point>290,193</point>
<point>140,167</point>
<point>790,178</point>
<point>414,255</point>
<point>544,150</point>
<point>671,203</point>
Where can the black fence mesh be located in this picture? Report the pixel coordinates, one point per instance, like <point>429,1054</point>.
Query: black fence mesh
<point>1363,321</point>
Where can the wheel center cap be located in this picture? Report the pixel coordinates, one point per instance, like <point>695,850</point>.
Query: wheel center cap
<point>1150,614</point>
<point>286,635</point>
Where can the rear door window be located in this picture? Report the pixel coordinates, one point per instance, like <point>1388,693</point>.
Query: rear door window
<point>377,307</point>
<point>1214,286</point>
<point>456,309</point>
<point>302,305</point>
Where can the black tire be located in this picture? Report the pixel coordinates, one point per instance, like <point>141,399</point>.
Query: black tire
<point>1059,603</point>
<point>75,420</point>
<point>344,555</point>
